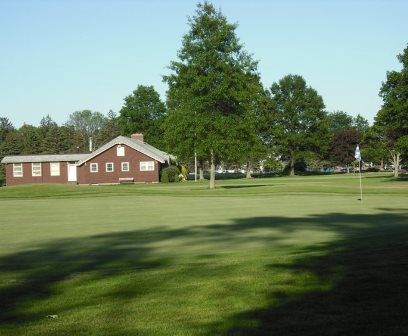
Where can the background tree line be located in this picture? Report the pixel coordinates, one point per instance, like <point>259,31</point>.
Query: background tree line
<point>218,111</point>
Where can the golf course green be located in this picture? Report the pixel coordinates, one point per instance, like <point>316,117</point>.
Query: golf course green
<point>265,256</point>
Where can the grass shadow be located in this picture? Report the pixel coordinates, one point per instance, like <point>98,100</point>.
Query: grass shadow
<point>362,275</point>
<point>363,278</point>
<point>243,186</point>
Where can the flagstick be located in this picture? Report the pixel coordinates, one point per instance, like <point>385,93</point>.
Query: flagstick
<point>361,188</point>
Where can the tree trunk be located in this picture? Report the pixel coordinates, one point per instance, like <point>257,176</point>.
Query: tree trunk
<point>382,165</point>
<point>292,165</point>
<point>212,171</point>
<point>248,173</point>
<point>201,174</point>
<point>396,161</point>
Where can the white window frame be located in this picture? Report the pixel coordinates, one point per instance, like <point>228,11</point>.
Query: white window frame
<point>146,165</point>
<point>17,172</point>
<point>35,172</point>
<point>120,150</point>
<point>107,165</point>
<point>55,169</point>
<point>93,164</point>
<point>123,164</point>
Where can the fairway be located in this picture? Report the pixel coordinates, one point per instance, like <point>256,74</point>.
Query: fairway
<point>276,256</point>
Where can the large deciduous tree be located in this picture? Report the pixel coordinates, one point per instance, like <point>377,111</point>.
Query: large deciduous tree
<point>143,112</point>
<point>110,129</point>
<point>343,146</point>
<point>392,118</point>
<point>361,124</point>
<point>88,124</point>
<point>212,89</point>
<point>299,126</point>
<point>339,120</point>
<point>374,147</point>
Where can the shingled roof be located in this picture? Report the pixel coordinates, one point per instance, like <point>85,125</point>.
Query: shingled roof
<point>138,145</point>
<point>44,158</point>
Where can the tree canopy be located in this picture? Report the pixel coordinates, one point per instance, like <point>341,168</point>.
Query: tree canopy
<point>392,118</point>
<point>299,124</point>
<point>88,124</point>
<point>143,112</point>
<point>339,120</point>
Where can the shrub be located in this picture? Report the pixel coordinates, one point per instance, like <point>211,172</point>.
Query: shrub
<point>373,169</point>
<point>184,172</point>
<point>170,174</point>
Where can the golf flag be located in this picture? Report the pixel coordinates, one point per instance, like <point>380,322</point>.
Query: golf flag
<point>357,153</point>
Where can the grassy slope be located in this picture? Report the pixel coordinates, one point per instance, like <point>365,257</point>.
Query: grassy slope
<point>278,256</point>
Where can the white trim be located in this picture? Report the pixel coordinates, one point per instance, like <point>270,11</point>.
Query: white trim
<point>55,169</point>
<point>139,146</point>
<point>72,171</point>
<point>120,150</point>
<point>34,169</point>
<point>127,166</point>
<point>93,164</point>
<point>146,165</point>
<point>19,172</point>
<point>106,167</point>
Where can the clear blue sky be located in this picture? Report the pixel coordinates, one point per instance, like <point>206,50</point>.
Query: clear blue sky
<point>61,56</point>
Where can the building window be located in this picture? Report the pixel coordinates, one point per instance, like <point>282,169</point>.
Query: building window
<point>109,167</point>
<point>120,150</point>
<point>125,166</point>
<point>147,166</point>
<point>36,169</point>
<point>93,168</point>
<point>17,169</point>
<point>54,168</point>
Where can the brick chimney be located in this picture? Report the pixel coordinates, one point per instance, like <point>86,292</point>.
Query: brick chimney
<point>137,136</point>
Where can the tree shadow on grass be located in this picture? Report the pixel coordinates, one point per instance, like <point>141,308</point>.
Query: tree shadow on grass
<point>366,273</point>
<point>362,275</point>
<point>243,186</point>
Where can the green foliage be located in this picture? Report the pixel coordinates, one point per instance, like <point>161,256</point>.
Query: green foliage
<point>299,123</point>
<point>339,120</point>
<point>5,127</point>
<point>143,112</point>
<point>31,139</point>
<point>402,147</point>
<point>272,165</point>
<point>374,146</point>
<point>170,174</point>
<point>361,124</point>
<point>164,176</point>
<point>392,119</point>
<point>12,144</point>
<point>110,129</point>
<point>87,124</point>
<point>393,115</point>
<point>212,90</point>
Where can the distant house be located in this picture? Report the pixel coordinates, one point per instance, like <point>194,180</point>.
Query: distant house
<point>120,160</point>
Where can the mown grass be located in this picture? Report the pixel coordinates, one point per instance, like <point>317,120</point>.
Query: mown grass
<point>373,183</point>
<point>279,256</point>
